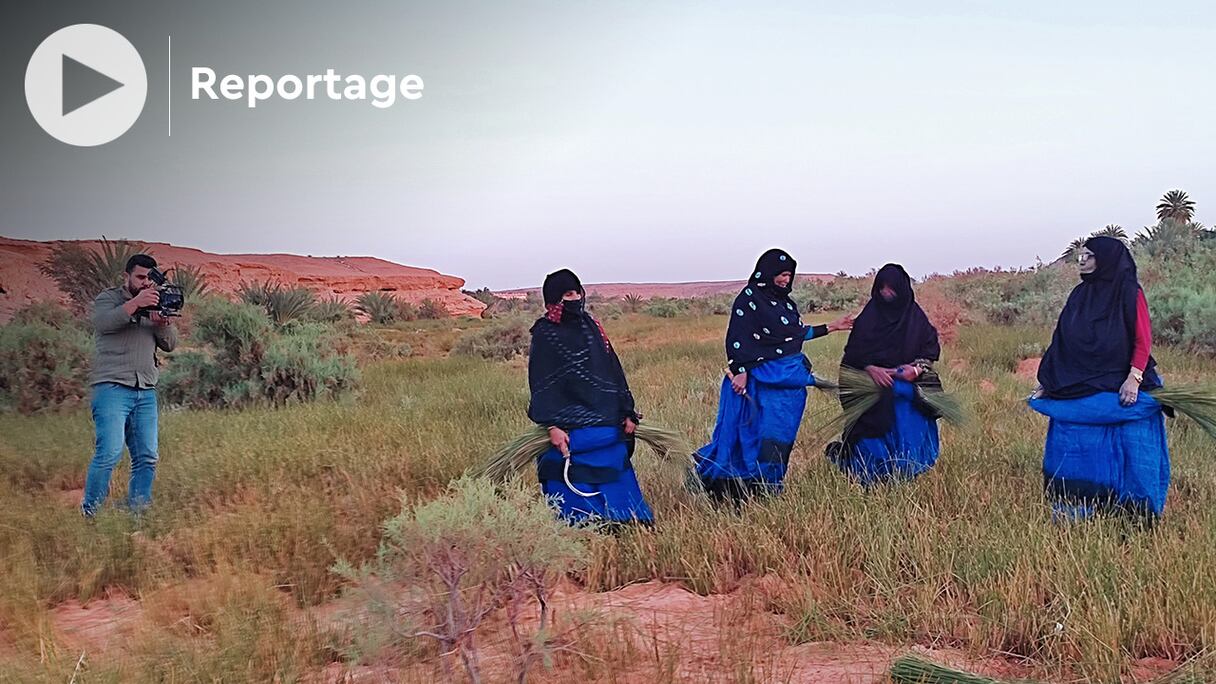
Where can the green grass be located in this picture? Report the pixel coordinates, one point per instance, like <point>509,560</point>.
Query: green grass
<point>964,557</point>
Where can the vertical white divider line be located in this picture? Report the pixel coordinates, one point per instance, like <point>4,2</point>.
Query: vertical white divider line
<point>170,95</point>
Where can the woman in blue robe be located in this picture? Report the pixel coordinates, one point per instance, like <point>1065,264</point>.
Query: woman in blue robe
<point>894,342</point>
<point>579,392</point>
<point>764,392</point>
<point>1106,449</point>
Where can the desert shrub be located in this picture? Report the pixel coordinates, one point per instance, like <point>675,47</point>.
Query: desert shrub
<point>498,342</point>
<point>431,310</point>
<point>1181,291</point>
<point>407,311</point>
<point>49,313</point>
<point>1170,239</point>
<point>503,307</point>
<point>1027,297</point>
<point>665,308</point>
<point>379,307</point>
<point>43,367</point>
<point>463,556</point>
<point>484,295</point>
<point>608,310</point>
<point>245,360</point>
<point>714,305</point>
<point>82,274</point>
<point>1184,313</point>
<point>840,294</point>
<point>375,348</point>
<point>632,303</point>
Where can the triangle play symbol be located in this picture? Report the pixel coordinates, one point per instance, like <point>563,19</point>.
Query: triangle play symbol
<point>83,84</point>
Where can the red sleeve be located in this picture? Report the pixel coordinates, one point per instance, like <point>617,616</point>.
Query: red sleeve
<point>1144,334</point>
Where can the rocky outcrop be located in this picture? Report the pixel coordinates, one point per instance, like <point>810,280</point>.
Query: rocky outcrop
<point>21,281</point>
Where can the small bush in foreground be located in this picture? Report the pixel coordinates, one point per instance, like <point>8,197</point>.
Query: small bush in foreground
<point>463,556</point>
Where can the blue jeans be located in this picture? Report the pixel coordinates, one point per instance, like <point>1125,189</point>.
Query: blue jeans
<point>122,414</point>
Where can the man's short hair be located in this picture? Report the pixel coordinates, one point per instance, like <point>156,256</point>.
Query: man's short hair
<point>143,260</point>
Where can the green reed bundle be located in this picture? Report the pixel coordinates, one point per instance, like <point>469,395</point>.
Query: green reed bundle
<point>859,393</point>
<point>1195,402</point>
<point>522,452</point>
<point>911,669</point>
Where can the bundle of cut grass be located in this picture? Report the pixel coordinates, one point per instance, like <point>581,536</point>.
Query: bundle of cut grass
<point>911,669</point>
<point>1195,402</point>
<point>522,452</point>
<point>859,393</point>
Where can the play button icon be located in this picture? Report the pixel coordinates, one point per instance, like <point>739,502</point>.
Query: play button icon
<point>86,85</point>
<point>82,84</point>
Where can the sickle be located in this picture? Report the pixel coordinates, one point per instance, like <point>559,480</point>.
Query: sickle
<point>566,477</point>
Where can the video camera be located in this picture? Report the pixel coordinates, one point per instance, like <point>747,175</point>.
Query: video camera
<point>172,299</point>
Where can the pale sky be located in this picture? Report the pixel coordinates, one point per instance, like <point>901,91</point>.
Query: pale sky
<point>637,141</point>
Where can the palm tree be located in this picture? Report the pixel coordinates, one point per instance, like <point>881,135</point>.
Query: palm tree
<point>1168,237</point>
<point>1176,206</point>
<point>81,272</point>
<point>1070,252</point>
<point>379,307</point>
<point>1111,230</point>
<point>191,280</point>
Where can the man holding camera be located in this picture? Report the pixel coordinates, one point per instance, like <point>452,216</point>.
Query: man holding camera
<point>127,331</point>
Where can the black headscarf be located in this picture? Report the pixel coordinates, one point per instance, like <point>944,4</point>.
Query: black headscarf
<point>764,320</point>
<point>890,334</point>
<point>558,283</point>
<point>1091,348</point>
<point>574,375</point>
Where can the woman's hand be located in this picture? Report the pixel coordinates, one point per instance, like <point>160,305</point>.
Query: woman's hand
<point>1130,391</point>
<point>843,323</point>
<point>908,373</point>
<point>561,440</point>
<point>630,426</point>
<point>881,376</point>
<point>1037,393</point>
<point>739,383</point>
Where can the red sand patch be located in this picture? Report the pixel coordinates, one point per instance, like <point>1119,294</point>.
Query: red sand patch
<point>69,497</point>
<point>1028,369</point>
<point>99,624</point>
<point>665,632</point>
<point>668,632</point>
<point>987,387</point>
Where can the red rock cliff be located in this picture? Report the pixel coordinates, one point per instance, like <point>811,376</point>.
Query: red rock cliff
<point>21,282</point>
